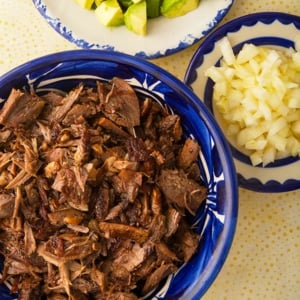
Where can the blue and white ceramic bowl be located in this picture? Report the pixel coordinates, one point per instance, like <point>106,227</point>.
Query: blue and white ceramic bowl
<point>216,220</point>
<point>274,29</point>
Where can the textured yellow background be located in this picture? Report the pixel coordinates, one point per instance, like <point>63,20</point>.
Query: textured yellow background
<point>264,261</point>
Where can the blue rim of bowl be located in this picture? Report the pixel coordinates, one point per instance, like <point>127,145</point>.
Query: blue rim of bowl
<point>217,260</point>
<point>56,24</point>
<point>206,47</point>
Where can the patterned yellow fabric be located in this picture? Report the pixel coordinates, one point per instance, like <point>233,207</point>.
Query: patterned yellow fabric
<point>264,261</point>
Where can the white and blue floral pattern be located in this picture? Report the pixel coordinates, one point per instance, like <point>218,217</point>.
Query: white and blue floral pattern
<point>216,219</point>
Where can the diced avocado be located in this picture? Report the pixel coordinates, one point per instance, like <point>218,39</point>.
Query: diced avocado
<point>176,8</point>
<point>125,3</point>
<point>109,13</point>
<point>86,4</point>
<point>135,18</point>
<point>153,8</point>
<point>98,2</point>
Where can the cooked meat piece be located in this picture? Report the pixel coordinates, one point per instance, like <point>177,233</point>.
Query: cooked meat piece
<point>53,99</point>
<point>81,175</point>
<point>45,130</point>
<point>186,241</point>
<point>5,159</point>
<point>82,152</point>
<point>170,127</point>
<point>188,153</point>
<point>64,274</point>
<point>156,201</point>
<point>158,228</point>
<point>112,127</point>
<point>102,203</point>
<point>117,152</point>
<point>31,157</point>
<point>165,254</point>
<point>123,165</point>
<point>18,202</point>
<point>4,135</point>
<point>79,111</point>
<point>181,191</point>
<point>18,180</point>
<point>130,259</point>
<point>29,240</point>
<point>146,107</point>
<point>116,211</point>
<point>57,296</point>
<point>59,154</point>
<point>147,266</point>
<point>83,285</point>
<point>20,109</point>
<point>137,150</point>
<point>7,204</point>
<point>173,220</point>
<point>31,288</point>
<point>17,266</point>
<point>66,216</point>
<point>115,230</point>
<point>77,294</point>
<point>99,278</point>
<point>32,195</point>
<point>122,104</point>
<point>64,178</point>
<point>103,89</point>
<point>72,193</point>
<point>58,112</point>
<point>128,182</point>
<point>157,276</point>
<point>78,250</point>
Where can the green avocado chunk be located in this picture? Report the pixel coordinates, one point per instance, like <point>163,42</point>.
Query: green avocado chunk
<point>176,8</point>
<point>98,2</point>
<point>109,13</point>
<point>153,8</point>
<point>125,3</point>
<point>86,4</point>
<point>135,18</point>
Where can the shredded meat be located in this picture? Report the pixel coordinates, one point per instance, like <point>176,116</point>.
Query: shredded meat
<point>95,187</point>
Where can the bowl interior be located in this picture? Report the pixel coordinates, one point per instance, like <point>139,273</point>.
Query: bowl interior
<point>216,219</point>
<point>271,42</point>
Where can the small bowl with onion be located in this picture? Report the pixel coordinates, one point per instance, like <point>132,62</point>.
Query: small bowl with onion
<point>92,153</point>
<point>247,72</point>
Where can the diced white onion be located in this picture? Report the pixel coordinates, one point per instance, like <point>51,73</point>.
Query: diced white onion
<point>257,96</point>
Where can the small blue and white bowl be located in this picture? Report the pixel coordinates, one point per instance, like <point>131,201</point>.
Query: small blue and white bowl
<point>216,220</point>
<point>273,29</point>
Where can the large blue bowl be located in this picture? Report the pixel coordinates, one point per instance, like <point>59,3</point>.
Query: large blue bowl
<point>216,220</point>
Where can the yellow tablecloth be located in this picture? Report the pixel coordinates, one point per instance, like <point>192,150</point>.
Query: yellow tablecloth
<point>264,261</point>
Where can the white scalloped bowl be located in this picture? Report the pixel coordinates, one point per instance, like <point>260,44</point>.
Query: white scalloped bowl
<point>267,28</point>
<point>216,219</point>
<point>165,35</point>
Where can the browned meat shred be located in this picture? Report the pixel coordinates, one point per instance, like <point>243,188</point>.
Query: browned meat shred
<point>95,187</point>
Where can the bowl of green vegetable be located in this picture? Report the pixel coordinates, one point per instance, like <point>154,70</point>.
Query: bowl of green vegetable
<point>144,28</point>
